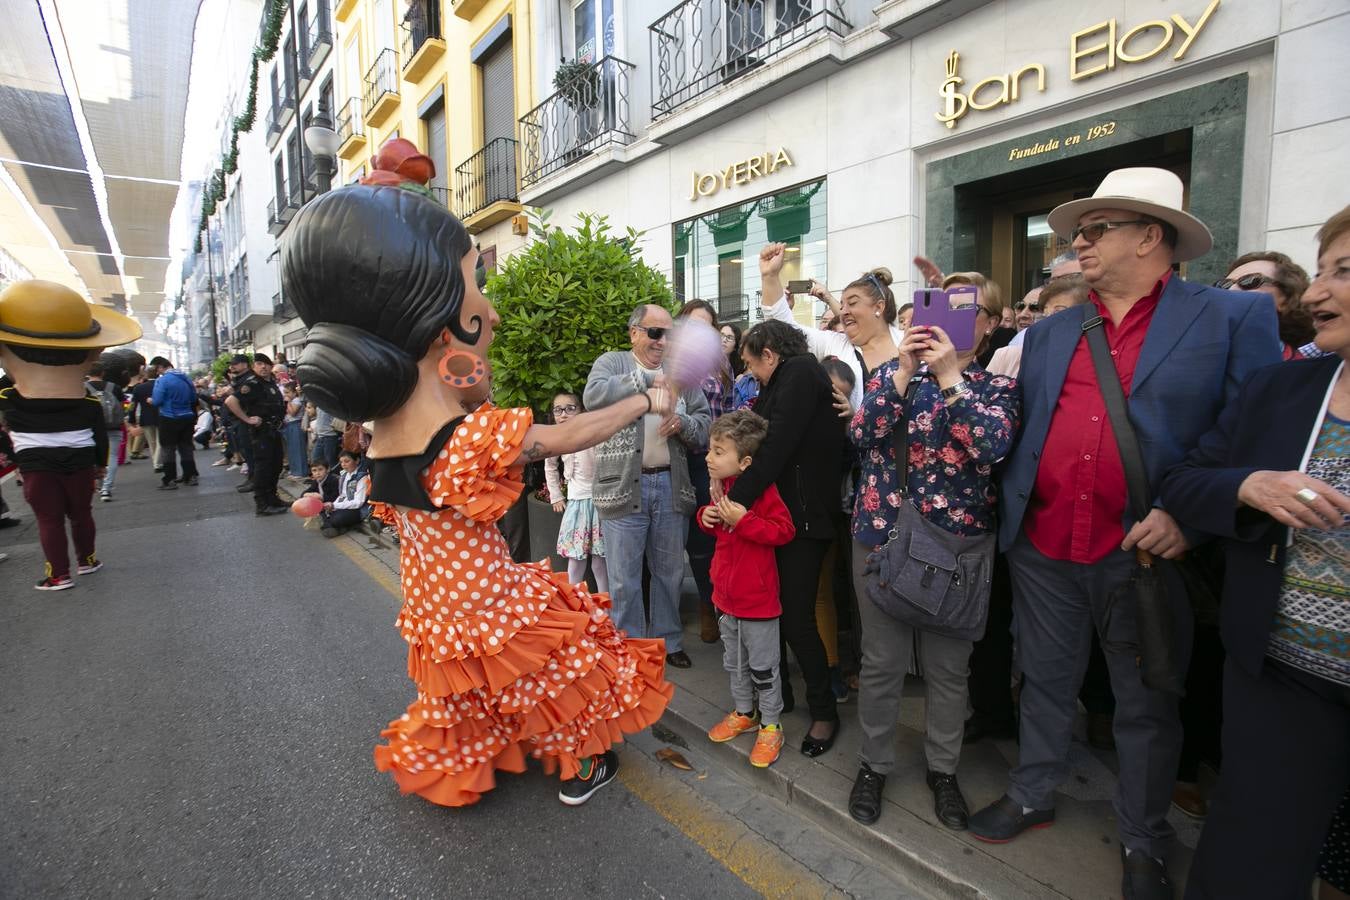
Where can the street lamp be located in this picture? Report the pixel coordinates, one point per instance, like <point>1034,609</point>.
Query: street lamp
<point>323,143</point>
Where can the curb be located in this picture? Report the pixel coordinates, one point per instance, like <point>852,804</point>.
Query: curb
<point>914,851</point>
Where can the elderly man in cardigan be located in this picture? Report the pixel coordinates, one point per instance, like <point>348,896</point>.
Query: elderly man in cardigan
<point>642,488</point>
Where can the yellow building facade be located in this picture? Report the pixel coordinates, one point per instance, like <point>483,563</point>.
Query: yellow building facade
<point>452,77</point>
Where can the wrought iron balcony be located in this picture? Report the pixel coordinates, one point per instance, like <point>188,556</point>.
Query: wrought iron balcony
<point>422,43</point>
<point>351,129</point>
<point>487,177</point>
<point>442,195</point>
<point>576,121</point>
<point>319,40</point>
<point>281,309</point>
<point>733,308</point>
<point>703,44</point>
<point>381,93</point>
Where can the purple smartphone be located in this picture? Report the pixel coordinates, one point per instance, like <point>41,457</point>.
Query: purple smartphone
<point>953,311</point>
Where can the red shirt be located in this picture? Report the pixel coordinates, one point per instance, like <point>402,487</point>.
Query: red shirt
<point>744,570</point>
<point>1077,506</point>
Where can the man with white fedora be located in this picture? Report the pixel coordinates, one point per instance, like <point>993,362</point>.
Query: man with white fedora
<point>1180,351</point>
<point>49,336</point>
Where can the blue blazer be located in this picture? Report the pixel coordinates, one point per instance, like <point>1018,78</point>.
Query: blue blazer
<point>1268,427</point>
<point>1201,345</point>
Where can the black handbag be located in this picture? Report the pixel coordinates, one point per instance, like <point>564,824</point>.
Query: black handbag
<point>1155,647</point>
<point>924,575</point>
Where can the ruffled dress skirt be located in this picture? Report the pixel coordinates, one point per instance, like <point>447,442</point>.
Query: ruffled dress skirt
<point>580,536</point>
<point>510,661</point>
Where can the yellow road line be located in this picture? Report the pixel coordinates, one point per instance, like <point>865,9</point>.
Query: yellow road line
<point>758,862</point>
<point>371,566</point>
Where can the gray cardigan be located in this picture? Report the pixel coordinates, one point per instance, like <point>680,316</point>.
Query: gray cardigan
<point>618,461</point>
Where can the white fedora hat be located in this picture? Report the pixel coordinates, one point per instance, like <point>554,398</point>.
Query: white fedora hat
<point>1153,192</point>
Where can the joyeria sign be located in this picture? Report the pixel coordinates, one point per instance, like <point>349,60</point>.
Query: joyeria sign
<point>1096,49</point>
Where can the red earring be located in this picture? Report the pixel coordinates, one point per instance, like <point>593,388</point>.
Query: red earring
<point>459,368</point>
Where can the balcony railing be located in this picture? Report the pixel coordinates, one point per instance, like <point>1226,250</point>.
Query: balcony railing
<point>421,24</point>
<point>381,82</point>
<point>733,307</point>
<point>487,177</point>
<point>281,308</point>
<point>351,128</point>
<point>319,41</point>
<point>442,195</point>
<point>703,44</point>
<point>573,123</point>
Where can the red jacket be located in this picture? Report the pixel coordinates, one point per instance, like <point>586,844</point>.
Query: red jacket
<point>744,571</point>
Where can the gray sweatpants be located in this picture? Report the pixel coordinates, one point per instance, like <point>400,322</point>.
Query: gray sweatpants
<point>887,648</point>
<point>750,655</point>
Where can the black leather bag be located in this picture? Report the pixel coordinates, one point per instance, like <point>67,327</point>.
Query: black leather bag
<point>924,575</point>
<point>1155,647</point>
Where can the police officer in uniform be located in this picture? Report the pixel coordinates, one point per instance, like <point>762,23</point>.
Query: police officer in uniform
<point>257,402</point>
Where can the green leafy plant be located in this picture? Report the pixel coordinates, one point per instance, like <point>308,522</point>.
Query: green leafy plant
<point>221,363</point>
<point>564,300</point>
<point>578,82</point>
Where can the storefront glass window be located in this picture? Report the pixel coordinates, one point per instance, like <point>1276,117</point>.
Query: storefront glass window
<point>717,254</point>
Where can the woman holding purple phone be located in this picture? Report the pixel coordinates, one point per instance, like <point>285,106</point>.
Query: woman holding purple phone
<point>960,422</point>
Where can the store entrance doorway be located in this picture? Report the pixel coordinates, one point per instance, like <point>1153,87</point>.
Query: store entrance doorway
<point>1001,221</point>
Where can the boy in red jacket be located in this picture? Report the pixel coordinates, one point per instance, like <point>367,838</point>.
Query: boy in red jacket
<point>745,586</point>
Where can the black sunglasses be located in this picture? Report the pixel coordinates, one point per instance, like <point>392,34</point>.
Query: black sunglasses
<point>654,332</point>
<point>1249,282</point>
<point>1022,304</point>
<point>1093,232</point>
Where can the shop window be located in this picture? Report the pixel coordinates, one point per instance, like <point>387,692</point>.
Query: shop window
<point>716,254</point>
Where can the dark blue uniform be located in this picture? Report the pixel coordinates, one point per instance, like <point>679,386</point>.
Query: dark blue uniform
<point>262,398</point>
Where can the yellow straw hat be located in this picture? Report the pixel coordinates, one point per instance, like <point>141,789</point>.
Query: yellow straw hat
<point>46,314</point>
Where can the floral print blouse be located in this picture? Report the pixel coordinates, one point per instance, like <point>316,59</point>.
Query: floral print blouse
<point>952,451</point>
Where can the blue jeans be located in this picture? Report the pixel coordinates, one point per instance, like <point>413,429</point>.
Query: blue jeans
<point>326,449</point>
<point>114,445</point>
<point>294,435</point>
<point>657,532</point>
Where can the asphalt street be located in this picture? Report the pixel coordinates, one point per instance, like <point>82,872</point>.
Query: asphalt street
<point>197,719</point>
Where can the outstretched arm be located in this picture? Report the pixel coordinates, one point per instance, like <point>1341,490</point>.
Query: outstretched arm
<point>590,428</point>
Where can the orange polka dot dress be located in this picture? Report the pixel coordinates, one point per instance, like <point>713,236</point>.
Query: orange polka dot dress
<point>510,661</point>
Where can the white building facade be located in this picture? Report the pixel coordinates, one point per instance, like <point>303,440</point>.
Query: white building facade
<point>863,135</point>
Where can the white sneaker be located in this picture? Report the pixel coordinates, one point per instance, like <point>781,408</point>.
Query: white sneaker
<point>243,470</point>
<point>231,467</point>
<point>106,496</point>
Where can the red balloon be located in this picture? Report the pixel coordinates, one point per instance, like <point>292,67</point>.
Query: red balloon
<point>308,506</point>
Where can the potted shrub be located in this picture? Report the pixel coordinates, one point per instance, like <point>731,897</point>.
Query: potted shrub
<point>579,83</point>
<point>563,300</point>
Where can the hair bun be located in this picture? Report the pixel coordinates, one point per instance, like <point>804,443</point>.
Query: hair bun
<point>353,374</point>
<point>882,274</point>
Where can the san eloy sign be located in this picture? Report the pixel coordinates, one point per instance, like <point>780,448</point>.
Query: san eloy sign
<point>1099,48</point>
<point>747,170</point>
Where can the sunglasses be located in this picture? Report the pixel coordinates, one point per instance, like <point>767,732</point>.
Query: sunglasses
<point>1092,233</point>
<point>1248,282</point>
<point>570,409</point>
<point>1021,305</point>
<point>654,332</point>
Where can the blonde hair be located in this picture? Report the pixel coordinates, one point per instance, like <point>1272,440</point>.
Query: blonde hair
<point>990,295</point>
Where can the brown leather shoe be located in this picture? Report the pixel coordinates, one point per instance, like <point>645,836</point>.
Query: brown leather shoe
<point>708,628</point>
<point>1186,797</point>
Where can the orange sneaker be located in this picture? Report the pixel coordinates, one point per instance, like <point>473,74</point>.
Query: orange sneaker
<point>734,724</point>
<point>768,743</point>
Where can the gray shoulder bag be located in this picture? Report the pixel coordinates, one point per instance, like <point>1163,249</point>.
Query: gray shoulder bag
<point>924,575</point>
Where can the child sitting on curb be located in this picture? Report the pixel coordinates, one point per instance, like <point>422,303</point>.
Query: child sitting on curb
<point>745,586</point>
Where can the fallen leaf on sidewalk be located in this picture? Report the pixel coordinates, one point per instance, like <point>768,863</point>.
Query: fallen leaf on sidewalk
<point>673,757</point>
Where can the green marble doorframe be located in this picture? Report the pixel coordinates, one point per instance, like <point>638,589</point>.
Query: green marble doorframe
<point>1216,115</point>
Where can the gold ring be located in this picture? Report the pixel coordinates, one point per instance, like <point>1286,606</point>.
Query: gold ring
<point>1307,496</point>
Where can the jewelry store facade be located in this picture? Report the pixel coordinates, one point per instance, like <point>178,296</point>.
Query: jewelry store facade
<point>862,135</point>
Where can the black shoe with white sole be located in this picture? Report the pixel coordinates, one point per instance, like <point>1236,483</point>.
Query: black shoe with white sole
<point>603,769</point>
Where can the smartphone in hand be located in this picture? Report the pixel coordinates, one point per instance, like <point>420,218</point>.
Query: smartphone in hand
<point>952,310</point>
<point>799,287</point>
